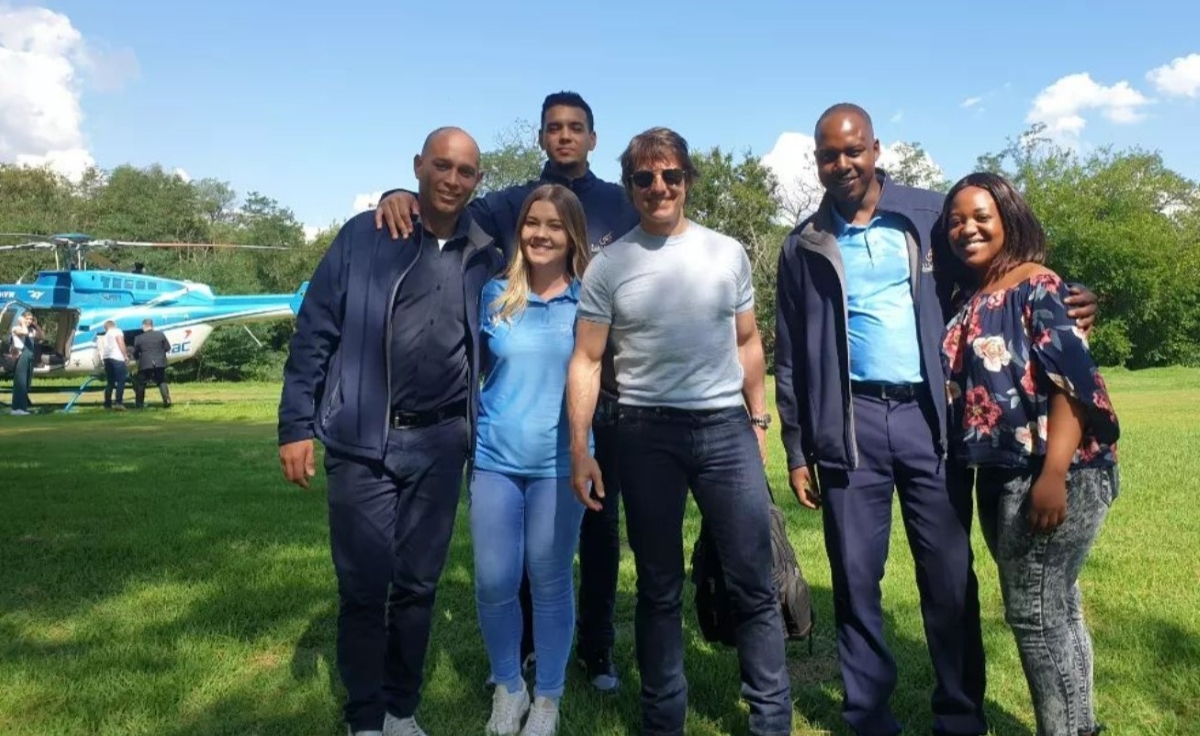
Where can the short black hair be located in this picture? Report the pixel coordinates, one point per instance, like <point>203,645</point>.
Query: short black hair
<point>844,108</point>
<point>1024,238</point>
<point>567,99</point>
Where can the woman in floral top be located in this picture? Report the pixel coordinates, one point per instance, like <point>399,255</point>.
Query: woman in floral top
<point>1031,414</point>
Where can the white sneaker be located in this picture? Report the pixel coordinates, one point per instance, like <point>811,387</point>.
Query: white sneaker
<point>543,718</point>
<point>362,733</point>
<point>507,711</point>
<point>19,413</point>
<point>393,726</point>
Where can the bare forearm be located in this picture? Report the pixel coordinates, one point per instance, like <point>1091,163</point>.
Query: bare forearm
<point>754,369</point>
<point>583,389</point>
<point>1064,430</point>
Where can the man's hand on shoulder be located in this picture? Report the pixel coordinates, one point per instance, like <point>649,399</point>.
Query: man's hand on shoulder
<point>297,461</point>
<point>397,210</point>
<point>1082,306</point>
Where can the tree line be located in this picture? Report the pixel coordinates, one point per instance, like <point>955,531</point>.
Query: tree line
<point>1120,221</point>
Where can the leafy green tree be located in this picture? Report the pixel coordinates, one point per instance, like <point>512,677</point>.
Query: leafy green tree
<point>515,160</point>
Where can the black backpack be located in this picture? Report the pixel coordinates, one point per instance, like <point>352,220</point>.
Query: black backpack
<point>713,607</point>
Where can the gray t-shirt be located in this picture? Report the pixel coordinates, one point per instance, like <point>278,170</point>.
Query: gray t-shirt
<point>670,303</point>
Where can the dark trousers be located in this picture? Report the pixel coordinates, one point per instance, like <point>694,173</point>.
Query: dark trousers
<point>22,380</point>
<point>115,375</point>
<point>390,525</point>
<point>896,452</point>
<point>599,560</point>
<point>663,453</point>
<point>157,376</point>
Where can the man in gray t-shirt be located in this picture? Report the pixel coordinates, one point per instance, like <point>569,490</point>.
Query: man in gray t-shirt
<point>670,303</point>
<point>677,303</point>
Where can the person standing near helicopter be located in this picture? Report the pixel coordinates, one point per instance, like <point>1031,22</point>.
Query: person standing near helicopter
<point>24,336</point>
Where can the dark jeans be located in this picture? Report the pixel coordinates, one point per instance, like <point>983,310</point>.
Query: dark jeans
<point>1039,580</point>
<point>663,453</point>
<point>157,376</point>
<point>599,558</point>
<point>22,380</point>
<point>897,454</point>
<point>115,375</point>
<point>390,524</point>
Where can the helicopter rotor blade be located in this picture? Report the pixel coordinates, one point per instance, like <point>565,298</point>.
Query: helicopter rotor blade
<point>29,246</point>
<point>137,244</point>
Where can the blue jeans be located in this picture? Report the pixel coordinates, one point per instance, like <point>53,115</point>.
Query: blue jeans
<point>663,453</point>
<point>115,374</point>
<point>525,525</point>
<point>1039,580</point>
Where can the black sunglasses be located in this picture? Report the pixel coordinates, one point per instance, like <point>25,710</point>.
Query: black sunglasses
<point>673,177</point>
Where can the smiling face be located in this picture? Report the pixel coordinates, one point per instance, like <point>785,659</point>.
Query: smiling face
<point>544,239</point>
<point>659,190</point>
<point>846,153</point>
<point>448,172</point>
<point>974,228</point>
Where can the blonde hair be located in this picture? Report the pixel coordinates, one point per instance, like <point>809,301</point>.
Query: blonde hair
<point>515,296</point>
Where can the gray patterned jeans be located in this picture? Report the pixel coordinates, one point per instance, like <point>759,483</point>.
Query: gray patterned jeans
<point>1039,582</point>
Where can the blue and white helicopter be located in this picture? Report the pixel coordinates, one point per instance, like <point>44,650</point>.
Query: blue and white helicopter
<point>71,306</point>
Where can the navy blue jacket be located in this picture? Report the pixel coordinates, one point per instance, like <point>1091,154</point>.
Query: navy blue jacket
<point>812,350</point>
<point>609,212</point>
<point>336,382</point>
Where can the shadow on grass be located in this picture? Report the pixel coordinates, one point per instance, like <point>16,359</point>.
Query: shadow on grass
<point>172,583</point>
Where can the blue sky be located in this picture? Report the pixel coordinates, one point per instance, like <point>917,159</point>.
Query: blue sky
<point>315,103</point>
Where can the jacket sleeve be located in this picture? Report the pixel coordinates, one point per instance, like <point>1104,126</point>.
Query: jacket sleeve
<point>317,335</point>
<point>791,389</point>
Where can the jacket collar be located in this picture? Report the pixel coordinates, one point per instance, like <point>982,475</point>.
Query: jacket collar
<point>550,175</point>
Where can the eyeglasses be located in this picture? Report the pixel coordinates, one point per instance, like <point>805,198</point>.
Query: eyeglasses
<point>671,177</point>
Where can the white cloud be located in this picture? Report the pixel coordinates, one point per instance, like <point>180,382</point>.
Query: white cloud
<point>310,232</point>
<point>794,164</point>
<point>1061,105</point>
<point>971,101</point>
<point>182,174</point>
<point>44,61</point>
<point>367,201</point>
<point>1180,78</point>
<point>898,116</point>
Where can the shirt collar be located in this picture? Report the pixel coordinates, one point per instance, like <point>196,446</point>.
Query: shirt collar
<point>550,174</point>
<point>570,294</point>
<point>462,226</point>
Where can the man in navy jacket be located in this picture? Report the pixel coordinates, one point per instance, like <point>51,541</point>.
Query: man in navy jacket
<point>382,369</point>
<point>567,135</point>
<point>863,297</point>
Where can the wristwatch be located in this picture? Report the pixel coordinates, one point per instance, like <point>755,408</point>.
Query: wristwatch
<point>761,420</point>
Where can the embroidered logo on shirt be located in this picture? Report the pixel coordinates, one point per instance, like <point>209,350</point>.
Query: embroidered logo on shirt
<point>927,264</point>
<point>605,240</point>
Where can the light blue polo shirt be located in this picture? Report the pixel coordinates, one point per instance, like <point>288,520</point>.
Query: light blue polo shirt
<point>523,429</point>
<point>882,322</point>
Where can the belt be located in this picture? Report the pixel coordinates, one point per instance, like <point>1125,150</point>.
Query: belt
<point>405,419</point>
<point>887,391</point>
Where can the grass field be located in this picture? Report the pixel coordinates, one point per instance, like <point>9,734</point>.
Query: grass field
<point>157,576</point>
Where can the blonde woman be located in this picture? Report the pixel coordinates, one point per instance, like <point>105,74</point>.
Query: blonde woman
<point>524,515</point>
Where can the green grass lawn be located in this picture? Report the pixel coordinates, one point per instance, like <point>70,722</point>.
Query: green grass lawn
<point>157,576</point>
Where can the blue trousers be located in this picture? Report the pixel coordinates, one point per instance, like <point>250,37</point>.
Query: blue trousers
<point>897,454</point>
<point>523,525</point>
<point>390,526</point>
<point>115,375</point>
<point>663,453</point>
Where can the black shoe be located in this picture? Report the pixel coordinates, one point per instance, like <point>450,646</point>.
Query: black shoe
<point>600,671</point>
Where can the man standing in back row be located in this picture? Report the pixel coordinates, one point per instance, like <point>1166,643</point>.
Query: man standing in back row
<point>567,135</point>
<point>863,297</point>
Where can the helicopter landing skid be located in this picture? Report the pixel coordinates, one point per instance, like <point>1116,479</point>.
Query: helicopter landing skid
<point>79,392</point>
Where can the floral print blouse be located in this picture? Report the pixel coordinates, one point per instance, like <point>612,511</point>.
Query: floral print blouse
<point>1004,352</point>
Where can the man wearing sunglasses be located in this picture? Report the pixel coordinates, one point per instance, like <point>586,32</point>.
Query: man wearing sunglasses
<point>676,302</point>
<point>567,135</point>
